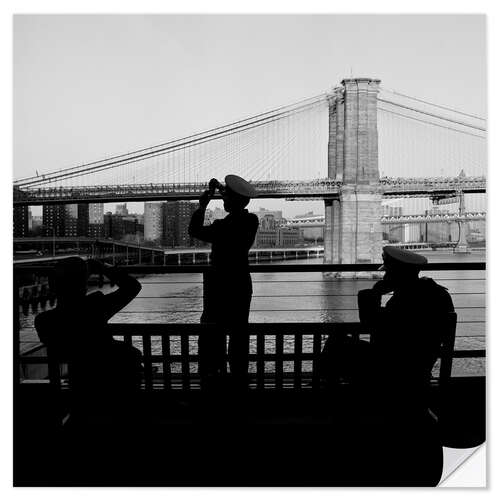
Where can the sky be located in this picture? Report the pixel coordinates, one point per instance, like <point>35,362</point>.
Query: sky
<point>89,86</point>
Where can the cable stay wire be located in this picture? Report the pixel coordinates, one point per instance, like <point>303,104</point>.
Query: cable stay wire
<point>214,132</point>
<point>440,106</point>
<point>464,124</point>
<point>430,123</point>
<point>166,150</point>
<point>140,158</point>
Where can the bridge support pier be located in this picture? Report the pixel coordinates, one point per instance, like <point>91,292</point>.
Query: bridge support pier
<point>462,245</point>
<point>462,226</point>
<point>353,230</point>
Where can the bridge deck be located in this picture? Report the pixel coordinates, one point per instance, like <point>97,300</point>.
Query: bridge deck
<point>305,189</point>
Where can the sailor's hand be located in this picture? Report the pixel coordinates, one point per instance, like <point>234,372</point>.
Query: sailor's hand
<point>205,199</point>
<point>213,185</point>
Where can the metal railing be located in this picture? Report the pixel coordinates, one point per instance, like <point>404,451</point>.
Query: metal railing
<point>283,355</point>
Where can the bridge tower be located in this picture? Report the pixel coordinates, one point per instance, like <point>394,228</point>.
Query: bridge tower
<point>461,246</point>
<point>353,231</point>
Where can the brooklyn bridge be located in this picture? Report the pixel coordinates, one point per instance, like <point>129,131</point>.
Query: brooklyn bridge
<point>355,147</point>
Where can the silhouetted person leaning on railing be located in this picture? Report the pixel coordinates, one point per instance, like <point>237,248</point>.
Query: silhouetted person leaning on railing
<point>104,373</point>
<point>227,285</point>
<point>392,373</point>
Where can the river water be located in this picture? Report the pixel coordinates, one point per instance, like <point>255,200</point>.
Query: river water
<point>304,297</point>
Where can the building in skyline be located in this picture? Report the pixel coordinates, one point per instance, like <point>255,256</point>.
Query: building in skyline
<point>76,217</point>
<point>272,233</point>
<point>262,212</point>
<point>36,225</point>
<point>96,220</point>
<point>133,228</point>
<point>267,231</point>
<point>53,220</point>
<point>121,209</point>
<point>153,221</point>
<point>69,220</point>
<point>176,216</point>
<point>113,226</point>
<point>21,222</point>
<point>289,236</point>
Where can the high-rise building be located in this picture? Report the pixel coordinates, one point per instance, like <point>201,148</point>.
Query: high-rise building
<point>96,220</point>
<point>53,220</point>
<point>121,209</point>
<point>65,220</point>
<point>176,217</point>
<point>36,226</point>
<point>133,226</point>
<point>70,220</point>
<point>113,226</point>
<point>21,221</point>
<point>82,225</point>
<point>76,219</point>
<point>153,221</point>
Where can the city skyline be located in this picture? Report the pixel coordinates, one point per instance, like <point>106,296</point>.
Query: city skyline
<point>227,71</point>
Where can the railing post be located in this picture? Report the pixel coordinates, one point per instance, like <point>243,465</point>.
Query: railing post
<point>279,361</point>
<point>297,361</point>
<point>316,360</point>
<point>17,329</point>
<point>260,360</point>
<point>148,369</point>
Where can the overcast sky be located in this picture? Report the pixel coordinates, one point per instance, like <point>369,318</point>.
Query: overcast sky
<point>88,86</point>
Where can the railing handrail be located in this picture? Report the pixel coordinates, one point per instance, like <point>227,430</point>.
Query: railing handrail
<point>276,268</point>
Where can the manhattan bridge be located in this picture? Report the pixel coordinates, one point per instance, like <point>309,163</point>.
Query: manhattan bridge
<point>356,147</point>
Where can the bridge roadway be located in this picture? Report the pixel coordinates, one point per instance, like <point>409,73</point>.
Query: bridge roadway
<point>308,189</point>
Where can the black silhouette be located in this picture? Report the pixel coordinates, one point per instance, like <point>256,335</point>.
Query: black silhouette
<point>101,370</point>
<point>228,284</point>
<point>392,372</point>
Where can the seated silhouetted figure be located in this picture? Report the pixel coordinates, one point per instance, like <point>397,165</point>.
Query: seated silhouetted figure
<point>102,371</point>
<point>392,372</point>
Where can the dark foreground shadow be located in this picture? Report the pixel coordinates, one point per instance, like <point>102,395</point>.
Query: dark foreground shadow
<point>262,439</point>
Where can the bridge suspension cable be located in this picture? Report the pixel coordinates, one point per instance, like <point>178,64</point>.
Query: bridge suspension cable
<point>386,110</point>
<point>440,106</point>
<point>433,115</point>
<point>197,139</point>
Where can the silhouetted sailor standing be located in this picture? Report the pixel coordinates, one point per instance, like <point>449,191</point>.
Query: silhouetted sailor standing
<point>228,285</point>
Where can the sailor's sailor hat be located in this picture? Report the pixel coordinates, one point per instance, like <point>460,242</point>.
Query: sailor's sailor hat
<point>402,258</point>
<point>240,186</point>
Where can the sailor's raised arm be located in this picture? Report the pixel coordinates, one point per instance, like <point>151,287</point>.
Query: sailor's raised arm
<point>128,286</point>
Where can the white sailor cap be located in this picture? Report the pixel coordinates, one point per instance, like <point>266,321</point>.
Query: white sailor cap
<point>240,186</point>
<point>399,257</point>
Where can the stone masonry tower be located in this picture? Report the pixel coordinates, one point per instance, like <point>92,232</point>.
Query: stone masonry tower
<point>353,231</point>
